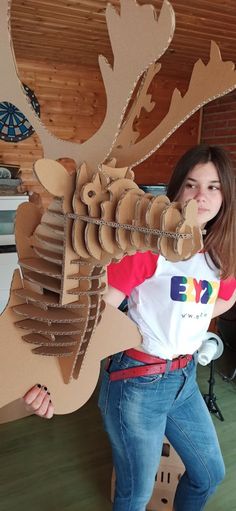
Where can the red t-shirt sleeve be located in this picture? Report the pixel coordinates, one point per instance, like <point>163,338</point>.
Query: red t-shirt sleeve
<point>131,271</point>
<point>227,288</point>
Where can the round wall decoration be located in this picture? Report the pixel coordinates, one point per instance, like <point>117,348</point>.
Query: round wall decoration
<point>14,126</point>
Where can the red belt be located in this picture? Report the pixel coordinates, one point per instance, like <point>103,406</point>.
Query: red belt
<point>155,365</point>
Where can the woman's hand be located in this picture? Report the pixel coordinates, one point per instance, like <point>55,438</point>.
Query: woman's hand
<point>37,400</point>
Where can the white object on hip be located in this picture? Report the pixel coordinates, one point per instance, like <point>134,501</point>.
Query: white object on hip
<point>212,348</point>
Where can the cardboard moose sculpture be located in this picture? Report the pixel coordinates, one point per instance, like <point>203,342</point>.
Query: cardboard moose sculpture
<point>56,327</point>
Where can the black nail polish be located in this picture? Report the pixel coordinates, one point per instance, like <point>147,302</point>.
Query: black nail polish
<point>39,386</point>
<point>48,393</point>
<point>45,388</point>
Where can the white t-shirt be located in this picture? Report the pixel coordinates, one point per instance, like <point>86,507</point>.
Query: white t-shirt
<point>171,303</point>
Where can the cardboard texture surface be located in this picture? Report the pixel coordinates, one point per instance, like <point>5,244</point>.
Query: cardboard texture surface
<point>21,367</point>
<point>57,325</point>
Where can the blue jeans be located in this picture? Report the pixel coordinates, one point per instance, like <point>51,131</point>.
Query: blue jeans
<point>137,413</point>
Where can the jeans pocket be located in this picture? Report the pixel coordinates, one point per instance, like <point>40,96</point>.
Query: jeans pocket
<point>104,393</point>
<point>142,381</point>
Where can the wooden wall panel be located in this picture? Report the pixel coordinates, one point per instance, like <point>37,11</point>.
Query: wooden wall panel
<point>75,31</point>
<point>72,102</point>
<point>219,124</point>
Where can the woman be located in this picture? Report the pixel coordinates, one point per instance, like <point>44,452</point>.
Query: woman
<point>152,390</point>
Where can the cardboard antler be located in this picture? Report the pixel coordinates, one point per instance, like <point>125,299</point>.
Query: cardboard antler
<point>132,57</point>
<point>207,83</point>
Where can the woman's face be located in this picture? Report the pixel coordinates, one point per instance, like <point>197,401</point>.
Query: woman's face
<point>202,184</point>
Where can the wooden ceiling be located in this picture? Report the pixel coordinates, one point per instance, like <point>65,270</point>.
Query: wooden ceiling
<point>74,31</point>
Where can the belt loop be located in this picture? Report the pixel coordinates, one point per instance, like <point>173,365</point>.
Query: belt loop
<point>109,359</point>
<point>168,364</point>
<point>107,364</point>
<point>119,356</point>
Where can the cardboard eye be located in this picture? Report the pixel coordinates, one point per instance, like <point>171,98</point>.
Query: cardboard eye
<point>91,193</point>
<point>88,193</point>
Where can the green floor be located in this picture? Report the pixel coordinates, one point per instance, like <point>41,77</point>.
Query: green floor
<point>65,464</point>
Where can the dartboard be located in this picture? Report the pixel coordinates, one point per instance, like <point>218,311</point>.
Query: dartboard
<point>14,126</point>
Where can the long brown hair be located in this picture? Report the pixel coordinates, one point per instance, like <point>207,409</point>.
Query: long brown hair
<point>220,240</point>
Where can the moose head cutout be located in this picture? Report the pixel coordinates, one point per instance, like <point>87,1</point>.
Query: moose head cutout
<point>98,214</point>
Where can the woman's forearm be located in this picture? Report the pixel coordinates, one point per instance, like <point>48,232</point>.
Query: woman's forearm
<point>113,296</point>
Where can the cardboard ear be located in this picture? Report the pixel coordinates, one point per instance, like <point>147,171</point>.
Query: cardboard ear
<point>56,180</point>
<point>53,177</point>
